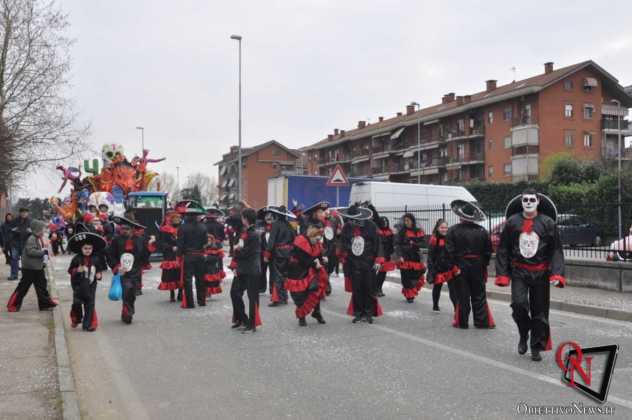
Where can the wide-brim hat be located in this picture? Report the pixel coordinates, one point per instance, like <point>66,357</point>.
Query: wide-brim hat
<point>467,211</point>
<point>190,207</point>
<point>356,213</point>
<point>80,239</point>
<point>546,206</point>
<point>321,205</point>
<point>279,211</point>
<point>124,221</point>
<point>214,211</point>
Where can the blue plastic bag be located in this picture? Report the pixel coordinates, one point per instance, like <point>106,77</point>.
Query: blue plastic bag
<point>116,291</point>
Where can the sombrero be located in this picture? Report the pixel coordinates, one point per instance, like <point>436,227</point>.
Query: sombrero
<point>124,221</point>
<point>190,207</point>
<point>80,239</point>
<point>467,211</point>
<point>321,205</point>
<point>546,206</point>
<point>356,212</point>
<point>213,210</point>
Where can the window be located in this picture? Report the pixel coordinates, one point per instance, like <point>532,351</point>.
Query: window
<point>588,140</point>
<point>491,144</point>
<point>461,125</point>
<point>526,113</point>
<point>507,114</point>
<point>490,170</point>
<point>588,111</point>
<point>568,111</point>
<point>490,117</point>
<point>568,139</point>
<point>460,152</point>
<point>507,168</point>
<point>568,84</point>
<point>508,142</point>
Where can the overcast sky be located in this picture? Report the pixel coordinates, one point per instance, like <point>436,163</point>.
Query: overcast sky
<point>309,66</point>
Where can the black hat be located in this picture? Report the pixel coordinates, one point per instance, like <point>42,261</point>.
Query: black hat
<point>356,212</point>
<point>467,211</point>
<point>279,211</point>
<point>321,205</point>
<point>213,210</point>
<point>80,239</point>
<point>546,206</point>
<point>124,221</point>
<point>190,207</point>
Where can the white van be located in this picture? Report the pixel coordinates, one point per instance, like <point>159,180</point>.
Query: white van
<point>427,202</point>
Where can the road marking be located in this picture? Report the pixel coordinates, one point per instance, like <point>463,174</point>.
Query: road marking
<point>495,363</point>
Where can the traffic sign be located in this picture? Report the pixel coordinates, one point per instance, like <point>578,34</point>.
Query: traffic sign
<point>338,178</point>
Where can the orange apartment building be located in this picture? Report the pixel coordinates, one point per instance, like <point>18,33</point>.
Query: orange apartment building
<point>501,134</point>
<point>259,163</point>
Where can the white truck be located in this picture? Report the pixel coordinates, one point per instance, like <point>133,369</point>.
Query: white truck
<point>426,201</point>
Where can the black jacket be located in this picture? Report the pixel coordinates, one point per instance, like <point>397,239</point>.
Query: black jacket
<point>166,242</point>
<point>303,257</point>
<point>216,229</point>
<point>280,241</point>
<point>438,258</point>
<point>96,261</point>
<point>20,231</point>
<point>247,253</point>
<point>387,241</point>
<point>467,240</point>
<point>192,238</point>
<point>134,245</point>
<point>371,252</point>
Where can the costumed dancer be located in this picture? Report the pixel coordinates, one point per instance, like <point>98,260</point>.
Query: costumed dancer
<point>247,266</point>
<point>267,217</point>
<point>54,238</point>
<point>276,253</point>
<point>34,259</point>
<point>85,270</point>
<point>470,249</point>
<point>307,278</point>
<point>361,245</point>
<point>126,255</point>
<point>410,240</point>
<point>440,270</point>
<point>388,247</point>
<point>192,240</point>
<point>530,255</point>
<point>214,251</point>
<point>171,264</point>
<point>331,240</point>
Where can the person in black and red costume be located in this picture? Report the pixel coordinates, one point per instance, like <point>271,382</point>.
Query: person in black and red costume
<point>85,269</point>
<point>214,251</point>
<point>247,266</point>
<point>127,246</point>
<point>439,269</point>
<point>191,246</point>
<point>470,249</point>
<point>276,252</point>
<point>410,239</point>
<point>387,239</point>
<point>530,255</point>
<point>307,276</point>
<point>171,264</point>
<point>363,260</point>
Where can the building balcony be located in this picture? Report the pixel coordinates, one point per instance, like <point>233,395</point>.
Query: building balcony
<point>525,135</point>
<point>612,127</point>
<point>614,110</point>
<point>525,120</point>
<point>471,133</point>
<point>524,167</point>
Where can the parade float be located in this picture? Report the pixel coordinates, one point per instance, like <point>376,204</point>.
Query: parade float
<point>104,189</point>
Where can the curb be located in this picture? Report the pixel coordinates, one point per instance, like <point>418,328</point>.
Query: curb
<point>614,314</point>
<point>65,377</point>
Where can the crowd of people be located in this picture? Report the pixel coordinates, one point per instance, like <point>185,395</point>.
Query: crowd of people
<point>293,254</point>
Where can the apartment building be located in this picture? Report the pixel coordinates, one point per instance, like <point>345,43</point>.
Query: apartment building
<point>267,160</point>
<point>500,134</point>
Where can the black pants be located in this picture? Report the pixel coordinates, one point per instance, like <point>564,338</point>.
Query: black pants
<point>277,279</point>
<point>129,284</point>
<point>471,296</point>
<point>530,299</point>
<point>436,294</point>
<point>265,280</point>
<point>82,310</point>
<point>7,255</point>
<point>363,283</point>
<point>37,278</point>
<point>194,265</point>
<point>250,284</point>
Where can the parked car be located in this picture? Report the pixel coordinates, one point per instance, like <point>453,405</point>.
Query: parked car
<point>574,231</point>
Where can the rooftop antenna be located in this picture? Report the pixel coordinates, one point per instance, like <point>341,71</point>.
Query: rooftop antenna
<point>514,69</point>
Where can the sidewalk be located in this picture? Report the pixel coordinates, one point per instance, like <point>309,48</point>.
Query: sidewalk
<point>581,300</point>
<point>29,387</point>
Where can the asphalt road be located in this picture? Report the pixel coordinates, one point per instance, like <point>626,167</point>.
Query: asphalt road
<point>410,364</point>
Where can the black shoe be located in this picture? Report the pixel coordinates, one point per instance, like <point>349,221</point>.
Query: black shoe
<point>172,299</point>
<point>201,303</point>
<point>318,317</point>
<point>249,328</point>
<point>139,292</point>
<point>410,300</point>
<point>380,294</point>
<point>356,318</point>
<point>274,304</point>
<point>126,319</point>
<point>522,345</point>
<point>436,308</point>
<point>236,325</point>
<point>302,322</point>
<point>369,319</point>
<point>535,355</point>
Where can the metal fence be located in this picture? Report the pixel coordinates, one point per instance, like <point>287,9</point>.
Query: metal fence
<point>587,232</point>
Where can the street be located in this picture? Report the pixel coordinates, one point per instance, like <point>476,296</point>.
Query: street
<point>171,363</point>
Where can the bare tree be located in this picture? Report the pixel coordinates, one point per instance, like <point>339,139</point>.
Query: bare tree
<point>37,123</point>
<point>206,184</point>
<point>168,184</point>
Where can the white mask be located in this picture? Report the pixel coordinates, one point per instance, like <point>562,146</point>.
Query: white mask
<point>530,203</point>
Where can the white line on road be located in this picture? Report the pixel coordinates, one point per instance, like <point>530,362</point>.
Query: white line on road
<point>495,363</point>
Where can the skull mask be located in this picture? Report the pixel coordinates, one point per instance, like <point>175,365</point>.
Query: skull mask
<point>111,153</point>
<point>530,203</point>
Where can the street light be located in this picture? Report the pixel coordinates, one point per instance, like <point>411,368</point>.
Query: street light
<point>416,105</point>
<point>238,39</point>
<point>619,165</point>
<point>142,139</point>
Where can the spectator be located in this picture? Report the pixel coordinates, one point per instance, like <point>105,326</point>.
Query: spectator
<point>5,237</point>
<point>19,233</point>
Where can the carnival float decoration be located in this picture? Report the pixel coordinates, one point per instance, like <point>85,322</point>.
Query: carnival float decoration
<point>108,186</point>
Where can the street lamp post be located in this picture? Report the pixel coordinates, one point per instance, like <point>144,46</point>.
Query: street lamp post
<point>238,39</point>
<point>619,166</point>
<point>142,139</point>
<point>416,105</point>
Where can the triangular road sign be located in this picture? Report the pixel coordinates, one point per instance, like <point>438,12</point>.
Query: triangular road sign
<point>338,178</point>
